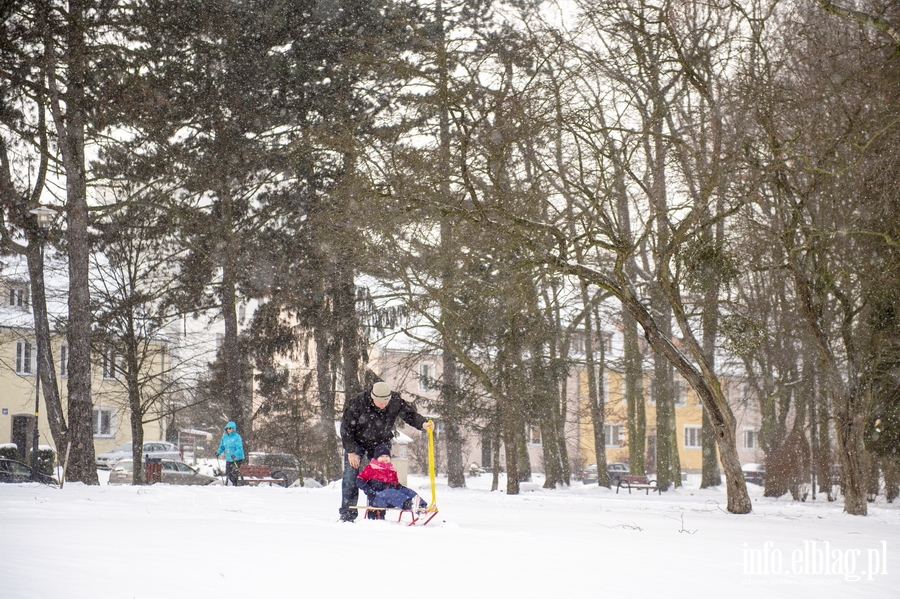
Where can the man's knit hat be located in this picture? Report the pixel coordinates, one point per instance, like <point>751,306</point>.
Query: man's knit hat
<point>381,391</point>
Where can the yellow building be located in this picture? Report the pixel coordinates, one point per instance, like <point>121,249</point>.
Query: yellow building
<point>688,421</point>
<point>18,361</point>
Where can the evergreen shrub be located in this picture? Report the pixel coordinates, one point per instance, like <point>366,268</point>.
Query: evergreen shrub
<point>46,460</point>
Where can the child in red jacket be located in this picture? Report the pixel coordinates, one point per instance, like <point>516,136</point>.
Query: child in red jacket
<point>378,480</point>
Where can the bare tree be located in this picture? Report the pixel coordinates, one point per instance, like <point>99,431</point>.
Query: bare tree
<point>584,171</point>
<point>813,178</point>
<point>133,278</point>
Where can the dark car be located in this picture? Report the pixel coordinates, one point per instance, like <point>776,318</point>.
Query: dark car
<point>614,470</point>
<point>281,465</point>
<point>754,473</point>
<point>12,471</point>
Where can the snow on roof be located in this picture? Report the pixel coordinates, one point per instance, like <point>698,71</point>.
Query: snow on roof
<point>195,432</point>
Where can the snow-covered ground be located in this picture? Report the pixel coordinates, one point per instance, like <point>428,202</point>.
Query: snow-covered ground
<point>122,542</point>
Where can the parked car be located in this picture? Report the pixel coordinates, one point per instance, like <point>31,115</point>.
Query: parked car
<point>173,473</point>
<point>152,449</point>
<point>613,469</point>
<point>12,471</point>
<point>754,473</point>
<point>281,465</point>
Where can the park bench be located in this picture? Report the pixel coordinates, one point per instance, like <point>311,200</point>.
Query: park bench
<point>630,482</point>
<point>258,474</point>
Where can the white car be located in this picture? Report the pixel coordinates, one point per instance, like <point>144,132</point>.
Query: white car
<point>152,449</point>
<point>173,473</point>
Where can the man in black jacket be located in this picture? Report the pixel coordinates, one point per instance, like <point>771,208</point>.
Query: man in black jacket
<point>368,422</point>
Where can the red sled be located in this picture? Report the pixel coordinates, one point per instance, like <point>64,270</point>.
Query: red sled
<point>423,517</point>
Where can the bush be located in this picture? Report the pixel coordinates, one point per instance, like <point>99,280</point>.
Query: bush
<point>9,451</point>
<point>46,460</point>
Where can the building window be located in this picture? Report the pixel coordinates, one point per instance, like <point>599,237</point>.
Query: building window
<point>108,363</point>
<point>103,418</point>
<point>679,389</point>
<point>24,357</point>
<point>578,343</point>
<point>606,339</point>
<point>614,435</point>
<point>750,439</point>
<point>460,377</point>
<point>18,296</point>
<point>426,377</point>
<point>63,360</point>
<point>692,437</point>
<point>680,393</point>
<point>534,435</point>
<point>603,391</point>
<point>746,396</point>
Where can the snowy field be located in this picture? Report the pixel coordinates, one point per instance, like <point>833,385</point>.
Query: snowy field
<point>122,542</point>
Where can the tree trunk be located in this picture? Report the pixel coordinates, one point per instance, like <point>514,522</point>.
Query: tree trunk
<point>544,385</point>
<point>352,350</point>
<point>231,351</point>
<point>550,451</point>
<point>667,466</point>
<point>49,381</point>
<point>815,456</point>
<point>596,399</point>
<point>634,395</point>
<point>873,484</point>
<point>552,433</point>
<point>495,453</point>
<point>848,403</point>
<point>561,415</point>
<point>824,451</point>
<point>449,403</point>
<point>694,370</point>
<point>707,386</point>
<point>332,455</point>
<point>850,424</point>
<point>891,471</point>
<point>456,477</point>
<point>137,414</point>
<point>70,131</point>
<point>800,474</point>
<point>710,475</point>
<point>509,424</point>
<point>550,441</point>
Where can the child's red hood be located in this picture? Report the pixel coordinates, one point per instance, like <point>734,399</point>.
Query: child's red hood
<point>379,471</point>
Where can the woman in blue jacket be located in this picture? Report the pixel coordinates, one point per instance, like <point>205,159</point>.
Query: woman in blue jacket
<point>232,446</point>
